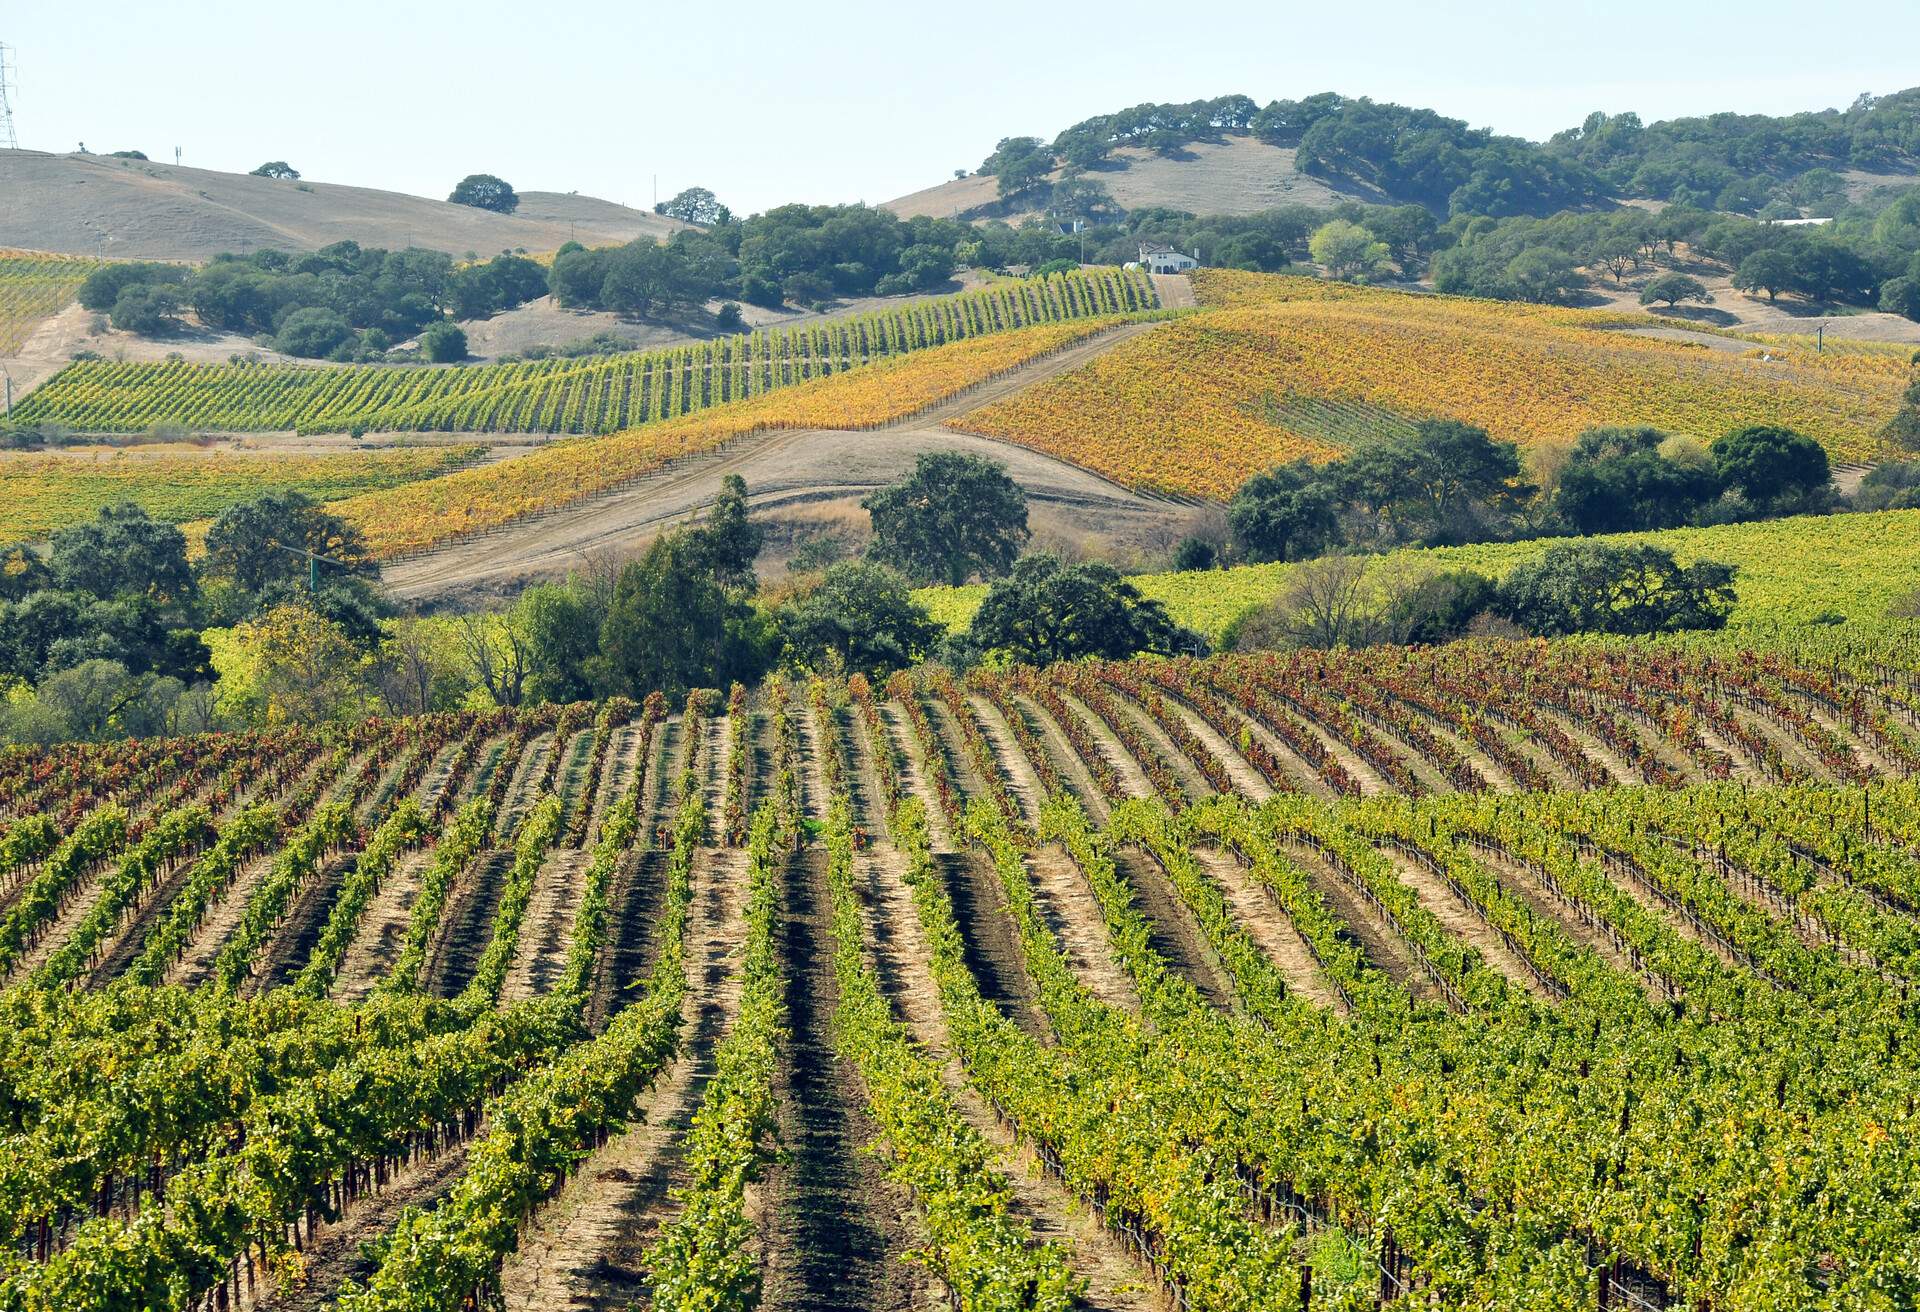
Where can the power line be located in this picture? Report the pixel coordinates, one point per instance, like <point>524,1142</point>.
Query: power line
<point>9,83</point>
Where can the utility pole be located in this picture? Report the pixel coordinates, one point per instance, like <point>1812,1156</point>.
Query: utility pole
<point>9,85</point>
<point>313,563</point>
<point>9,378</point>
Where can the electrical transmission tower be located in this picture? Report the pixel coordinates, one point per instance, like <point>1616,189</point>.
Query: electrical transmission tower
<point>9,81</point>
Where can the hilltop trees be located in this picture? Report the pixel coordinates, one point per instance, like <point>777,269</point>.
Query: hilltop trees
<point>278,168</point>
<point>342,301</point>
<point>484,191</point>
<point>695,205</point>
<point>1019,163</point>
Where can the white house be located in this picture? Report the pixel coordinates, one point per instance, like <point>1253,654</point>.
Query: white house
<point>1158,258</point>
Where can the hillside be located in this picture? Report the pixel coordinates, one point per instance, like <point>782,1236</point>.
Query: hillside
<point>134,209</point>
<point>1229,156</point>
<point>1234,175</point>
<point>1406,926</point>
<point>587,394</point>
<point>1278,368</point>
<point>1795,576</point>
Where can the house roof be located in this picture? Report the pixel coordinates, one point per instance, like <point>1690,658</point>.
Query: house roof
<point>1156,248</point>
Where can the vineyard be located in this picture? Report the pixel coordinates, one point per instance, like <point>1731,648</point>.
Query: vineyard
<point>1793,573</point>
<point>49,492</point>
<point>1283,368</point>
<point>421,514</point>
<point>33,286</point>
<point>1495,976</point>
<point>560,394</point>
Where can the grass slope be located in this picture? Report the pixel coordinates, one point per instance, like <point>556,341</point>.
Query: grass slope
<point>1791,572</point>
<point>1278,368</point>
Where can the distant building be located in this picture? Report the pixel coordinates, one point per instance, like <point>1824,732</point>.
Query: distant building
<point>1158,258</point>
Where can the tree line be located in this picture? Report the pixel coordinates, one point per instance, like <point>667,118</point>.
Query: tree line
<point>1754,164</point>
<point>342,302</point>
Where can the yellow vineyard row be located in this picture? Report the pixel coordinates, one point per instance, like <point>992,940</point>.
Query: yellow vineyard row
<point>1283,368</point>
<point>422,514</point>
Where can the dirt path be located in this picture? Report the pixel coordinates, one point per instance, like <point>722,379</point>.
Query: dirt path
<point>863,778</point>
<point>1364,924</point>
<point>811,767</point>
<point>1305,775</point>
<point>1246,780</point>
<point>1176,291</point>
<point>712,764</point>
<point>633,902</point>
<point>1066,903</point>
<point>900,954</point>
<point>376,942</point>
<point>1575,920</point>
<point>573,782</point>
<point>1591,746</point>
<point>1132,777</point>
<point>583,1249</point>
<point>784,468</point>
<point>1066,761</point>
<point>1259,914</point>
<point>335,1252</point>
<point>540,952</point>
<point>993,953</point>
<point>626,754</point>
<point>836,1231</point>
<point>130,935</point>
<point>522,785</point>
<point>666,759</point>
<point>1192,782</point>
<point>1023,781</point>
<point>466,925</point>
<point>1172,930</point>
<point>195,965</point>
<point>1463,921</point>
<point>913,775</point>
<point>290,942</point>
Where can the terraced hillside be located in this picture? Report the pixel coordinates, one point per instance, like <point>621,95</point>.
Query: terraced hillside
<point>559,394</point>
<point>1280,368</point>
<point>1497,976</point>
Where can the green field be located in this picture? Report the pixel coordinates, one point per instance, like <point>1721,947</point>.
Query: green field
<point>1792,571</point>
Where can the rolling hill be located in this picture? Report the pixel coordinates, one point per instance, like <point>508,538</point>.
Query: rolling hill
<point>142,210</point>
<point>1234,175</point>
<point>1229,156</point>
<point>1278,368</point>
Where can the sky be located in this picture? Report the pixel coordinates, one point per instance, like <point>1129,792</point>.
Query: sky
<point>771,101</point>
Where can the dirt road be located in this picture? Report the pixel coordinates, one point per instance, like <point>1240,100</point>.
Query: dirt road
<point>789,469</point>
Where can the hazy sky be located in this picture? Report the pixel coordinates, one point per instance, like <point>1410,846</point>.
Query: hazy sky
<point>812,100</point>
